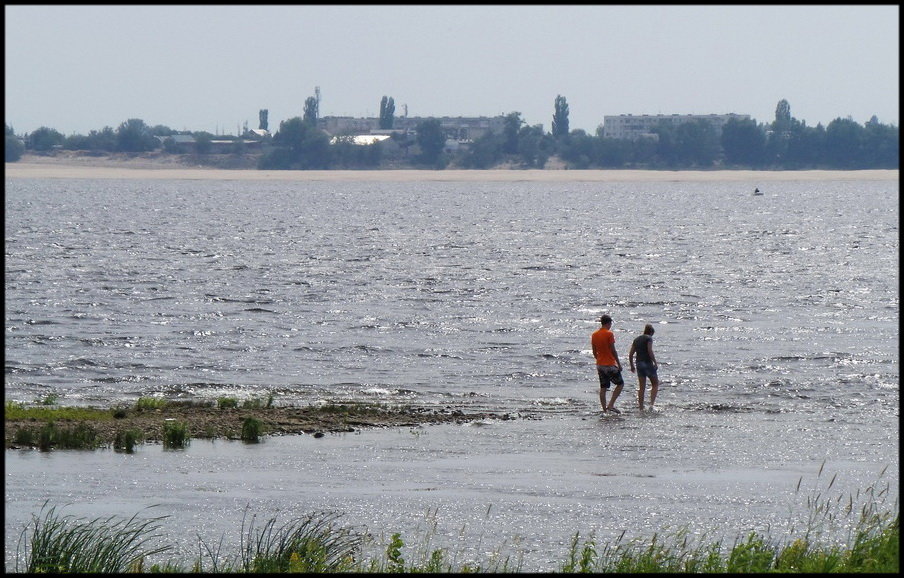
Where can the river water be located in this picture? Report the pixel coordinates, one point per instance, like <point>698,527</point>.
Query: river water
<point>777,333</point>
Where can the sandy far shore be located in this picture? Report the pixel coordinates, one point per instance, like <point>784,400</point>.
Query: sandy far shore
<point>26,170</point>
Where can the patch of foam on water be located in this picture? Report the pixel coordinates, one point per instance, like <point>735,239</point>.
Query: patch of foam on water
<point>554,401</point>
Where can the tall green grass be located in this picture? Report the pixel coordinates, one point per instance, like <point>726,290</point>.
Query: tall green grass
<point>63,544</point>
<point>50,436</point>
<point>150,403</point>
<point>252,429</point>
<point>126,440</point>
<point>175,435</point>
<point>820,545</point>
<point>317,543</point>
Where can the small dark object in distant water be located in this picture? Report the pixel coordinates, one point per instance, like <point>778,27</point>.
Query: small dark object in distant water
<point>756,191</point>
<point>319,434</point>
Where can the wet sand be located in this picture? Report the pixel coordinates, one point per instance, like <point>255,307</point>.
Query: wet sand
<point>101,168</point>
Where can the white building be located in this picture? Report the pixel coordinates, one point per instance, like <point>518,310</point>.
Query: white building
<point>633,127</point>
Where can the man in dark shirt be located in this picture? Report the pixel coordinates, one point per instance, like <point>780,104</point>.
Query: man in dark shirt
<point>642,348</point>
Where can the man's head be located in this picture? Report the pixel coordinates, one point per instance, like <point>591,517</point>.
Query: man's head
<point>605,320</point>
<point>648,329</point>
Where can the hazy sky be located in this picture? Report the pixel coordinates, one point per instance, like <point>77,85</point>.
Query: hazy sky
<point>212,68</point>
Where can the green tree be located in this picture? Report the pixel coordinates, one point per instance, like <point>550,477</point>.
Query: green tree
<point>534,147</point>
<point>14,147</point>
<point>697,143</point>
<point>881,147</point>
<point>844,144</point>
<point>743,142</point>
<point>77,142</point>
<point>311,111</point>
<point>579,150</point>
<point>44,139</point>
<point>347,155</point>
<point>782,116</point>
<point>666,145</point>
<point>262,119</point>
<point>484,153</point>
<point>299,145</point>
<point>431,140</point>
<point>161,130</point>
<point>560,118</point>
<point>778,139</point>
<point>134,136</point>
<point>387,112</point>
<point>805,146</point>
<point>511,126</point>
<point>103,140</point>
<point>170,146</point>
<point>617,153</point>
<point>203,142</point>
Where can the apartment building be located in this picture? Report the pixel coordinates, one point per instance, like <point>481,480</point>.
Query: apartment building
<point>459,128</point>
<point>633,127</point>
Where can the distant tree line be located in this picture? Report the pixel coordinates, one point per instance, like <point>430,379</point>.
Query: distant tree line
<point>784,143</point>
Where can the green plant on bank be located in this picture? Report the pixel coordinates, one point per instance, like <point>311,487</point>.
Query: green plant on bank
<point>227,403</point>
<point>395,562</point>
<point>353,408</point>
<point>48,436</point>
<point>175,435</point>
<point>125,441</point>
<point>316,543</point>
<point>251,430</point>
<point>422,557</point>
<point>67,545</point>
<point>873,544</point>
<point>310,544</point>
<point>258,403</point>
<point>25,436</point>
<point>50,399</point>
<point>18,411</point>
<point>150,403</point>
<point>394,554</point>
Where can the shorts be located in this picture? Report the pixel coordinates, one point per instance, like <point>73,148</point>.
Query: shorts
<point>646,369</point>
<point>609,374</point>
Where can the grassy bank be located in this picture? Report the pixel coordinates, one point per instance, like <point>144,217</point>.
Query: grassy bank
<point>320,543</point>
<point>47,426</point>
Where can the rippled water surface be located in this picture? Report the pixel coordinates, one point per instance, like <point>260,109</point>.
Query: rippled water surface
<point>776,330</point>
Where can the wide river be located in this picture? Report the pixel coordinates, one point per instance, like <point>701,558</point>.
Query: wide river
<point>777,332</point>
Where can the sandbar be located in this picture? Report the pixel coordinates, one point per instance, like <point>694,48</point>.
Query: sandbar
<point>63,170</point>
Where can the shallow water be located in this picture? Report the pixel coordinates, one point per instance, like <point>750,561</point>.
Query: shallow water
<point>777,332</point>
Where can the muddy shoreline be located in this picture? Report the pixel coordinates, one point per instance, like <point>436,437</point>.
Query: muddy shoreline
<point>226,423</point>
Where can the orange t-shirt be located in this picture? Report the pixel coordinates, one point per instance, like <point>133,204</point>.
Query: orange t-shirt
<point>602,342</point>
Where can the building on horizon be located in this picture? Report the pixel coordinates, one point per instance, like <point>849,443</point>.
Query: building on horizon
<point>634,127</point>
<point>458,128</point>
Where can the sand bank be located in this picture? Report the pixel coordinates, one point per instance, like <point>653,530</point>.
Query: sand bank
<point>59,170</point>
<point>212,422</point>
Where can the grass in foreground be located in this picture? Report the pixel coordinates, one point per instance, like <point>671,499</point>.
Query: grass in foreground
<point>317,543</point>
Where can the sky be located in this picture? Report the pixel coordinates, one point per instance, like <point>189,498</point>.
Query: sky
<point>213,68</point>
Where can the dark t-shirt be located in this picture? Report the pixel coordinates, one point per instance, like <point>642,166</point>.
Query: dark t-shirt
<point>640,348</point>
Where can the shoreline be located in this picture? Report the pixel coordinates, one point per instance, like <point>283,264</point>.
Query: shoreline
<point>226,423</point>
<point>33,167</point>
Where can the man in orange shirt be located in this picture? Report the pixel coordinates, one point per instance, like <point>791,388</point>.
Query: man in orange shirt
<point>608,367</point>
